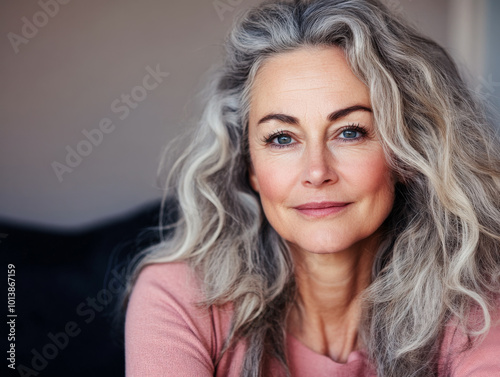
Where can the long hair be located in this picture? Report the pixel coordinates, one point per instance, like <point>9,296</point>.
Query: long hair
<point>440,256</point>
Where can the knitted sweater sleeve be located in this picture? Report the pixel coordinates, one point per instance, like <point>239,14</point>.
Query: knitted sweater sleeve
<point>482,360</point>
<point>166,333</point>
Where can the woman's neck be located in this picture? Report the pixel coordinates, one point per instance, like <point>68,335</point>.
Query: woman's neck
<point>327,313</point>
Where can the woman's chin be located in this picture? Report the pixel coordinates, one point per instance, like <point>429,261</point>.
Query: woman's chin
<point>319,247</point>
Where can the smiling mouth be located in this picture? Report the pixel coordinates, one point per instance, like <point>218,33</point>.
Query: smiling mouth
<point>321,209</point>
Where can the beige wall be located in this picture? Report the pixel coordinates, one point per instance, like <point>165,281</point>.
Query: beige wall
<point>64,80</point>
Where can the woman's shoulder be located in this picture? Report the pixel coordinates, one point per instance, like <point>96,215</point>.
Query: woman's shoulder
<point>167,323</point>
<point>469,356</point>
<point>175,278</point>
<point>173,291</point>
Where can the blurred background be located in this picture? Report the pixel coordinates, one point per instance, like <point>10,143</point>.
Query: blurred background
<point>91,93</point>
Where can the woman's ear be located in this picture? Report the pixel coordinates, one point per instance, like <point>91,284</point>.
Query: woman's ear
<point>253,178</point>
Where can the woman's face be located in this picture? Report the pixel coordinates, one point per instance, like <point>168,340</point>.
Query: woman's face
<point>317,163</point>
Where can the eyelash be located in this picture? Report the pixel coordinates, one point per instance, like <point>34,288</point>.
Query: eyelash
<point>351,127</point>
<point>273,135</point>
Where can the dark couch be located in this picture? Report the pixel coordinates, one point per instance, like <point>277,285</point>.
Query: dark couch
<point>67,286</point>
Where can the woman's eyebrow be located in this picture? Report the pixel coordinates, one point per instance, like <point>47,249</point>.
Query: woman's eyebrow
<point>338,114</point>
<point>344,112</point>
<point>281,117</point>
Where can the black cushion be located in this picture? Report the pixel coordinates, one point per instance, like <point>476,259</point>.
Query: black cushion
<point>67,287</point>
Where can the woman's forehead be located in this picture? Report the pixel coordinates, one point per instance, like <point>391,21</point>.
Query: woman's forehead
<point>307,76</point>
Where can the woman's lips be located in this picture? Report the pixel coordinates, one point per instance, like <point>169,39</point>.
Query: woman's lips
<point>321,209</point>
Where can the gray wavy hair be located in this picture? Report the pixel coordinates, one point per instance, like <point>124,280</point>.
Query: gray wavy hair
<point>440,256</point>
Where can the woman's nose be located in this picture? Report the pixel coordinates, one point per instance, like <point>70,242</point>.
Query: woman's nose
<point>319,167</point>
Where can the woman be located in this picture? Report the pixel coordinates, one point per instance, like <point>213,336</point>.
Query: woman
<point>338,211</point>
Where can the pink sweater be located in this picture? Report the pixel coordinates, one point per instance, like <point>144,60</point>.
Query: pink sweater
<point>166,334</point>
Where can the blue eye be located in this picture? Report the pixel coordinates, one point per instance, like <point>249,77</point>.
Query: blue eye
<point>279,139</point>
<point>349,134</point>
<point>353,132</point>
<point>283,139</point>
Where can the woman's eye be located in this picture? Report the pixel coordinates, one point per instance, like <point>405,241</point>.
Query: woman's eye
<point>283,139</point>
<point>349,134</point>
<point>279,140</point>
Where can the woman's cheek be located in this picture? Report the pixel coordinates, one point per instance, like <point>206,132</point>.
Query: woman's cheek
<point>275,180</point>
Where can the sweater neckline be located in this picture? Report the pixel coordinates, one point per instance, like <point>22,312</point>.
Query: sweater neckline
<point>294,342</point>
